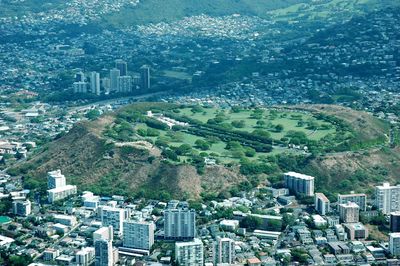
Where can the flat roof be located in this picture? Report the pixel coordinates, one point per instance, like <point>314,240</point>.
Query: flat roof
<point>195,241</point>
<point>5,240</point>
<point>352,195</point>
<point>321,196</point>
<point>301,176</point>
<point>350,204</point>
<point>60,189</point>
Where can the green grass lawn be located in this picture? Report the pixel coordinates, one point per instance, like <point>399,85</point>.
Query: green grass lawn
<point>177,75</point>
<point>282,117</point>
<point>287,118</point>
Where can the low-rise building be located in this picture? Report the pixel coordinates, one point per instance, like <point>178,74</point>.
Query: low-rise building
<point>356,231</point>
<point>61,193</point>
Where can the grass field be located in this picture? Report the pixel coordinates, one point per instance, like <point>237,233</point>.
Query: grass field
<point>284,118</point>
<point>177,75</point>
<point>288,119</point>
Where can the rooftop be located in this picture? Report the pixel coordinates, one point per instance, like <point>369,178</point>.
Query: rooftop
<point>298,175</point>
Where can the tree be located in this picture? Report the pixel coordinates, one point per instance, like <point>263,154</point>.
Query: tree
<point>238,123</point>
<point>202,144</point>
<point>151,132</point>
<point>250,152</point>
<point>300,255</point>
<point>183,149</point>
<point>279,128</point>
<point>261,123</point>
<point>251,222</point>
<point>93,114</point>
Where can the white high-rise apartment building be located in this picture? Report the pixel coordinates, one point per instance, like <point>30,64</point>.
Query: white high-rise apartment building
<point>55,179</point>
<point>387,198</point>
<point>114,217</point>
<point>360,199</point>
<point>322,203</point>
<point>179,224</point>
<point>394,244</point>
<point>224,251</point>
<point>114,75</point>
<point>189,253</point>
<point>299,183</point>
<point>106,233</point>
<point>103,252</point>
<point>138,234</point>
<point>80,87</point>
<point>95,82</point>
<point>124,84</point>
<point>349,212</point>
<point>57,187</point>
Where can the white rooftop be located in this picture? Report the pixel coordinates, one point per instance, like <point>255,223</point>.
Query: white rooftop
<point>60,189</point>
<point>301,176</point>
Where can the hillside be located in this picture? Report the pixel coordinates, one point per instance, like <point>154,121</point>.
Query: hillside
<point>115,155</point>
<point>91,162</point>
<point>358,171</point>
<point>155,11</point>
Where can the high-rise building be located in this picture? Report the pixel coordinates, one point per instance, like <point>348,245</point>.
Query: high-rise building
<point>387,198</point>
<point>322,203</point>
<point>360,199</point>
<point>136,80</point>
<point>224,251</point>
<point>21,207</point>
<point>105,232</point>
<point>55,179</point>
<point>85,256</point>
<point>349,212</point>
<point>58,189</point>
<point>299,183</point>
<point>395,222</point>
<point>106,84</point>
<point>138,234</point>
<point>80,77</point>
<point>114,217</point>
<point>189,253</point>
<point>103,252</point>
<point>394,244</point>
<point>80,87</point>
<point>122,66</point>
<point>95,82</point>
<point>124,84</point>
<point>114,75</point>
<point>145,77</point>
<point>179,224</point>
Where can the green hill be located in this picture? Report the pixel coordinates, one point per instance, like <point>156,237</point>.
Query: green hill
<point>121,154</point>
<point>154,11</point>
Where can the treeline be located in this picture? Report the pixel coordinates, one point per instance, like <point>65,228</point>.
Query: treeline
<point>259,142</point>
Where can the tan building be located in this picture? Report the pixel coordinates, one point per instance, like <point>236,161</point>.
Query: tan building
<point>356,231</point>
<point>349,212</point>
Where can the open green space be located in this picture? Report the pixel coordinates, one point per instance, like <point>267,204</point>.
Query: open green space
<point>269,119</point>
<point>227,135</point>
<point>177,75</point>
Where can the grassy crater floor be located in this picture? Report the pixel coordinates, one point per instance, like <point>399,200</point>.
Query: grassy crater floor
<point>286,131</point>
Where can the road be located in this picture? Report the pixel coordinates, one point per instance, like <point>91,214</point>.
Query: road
<point>116,100</point>
<point>58,240</point>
